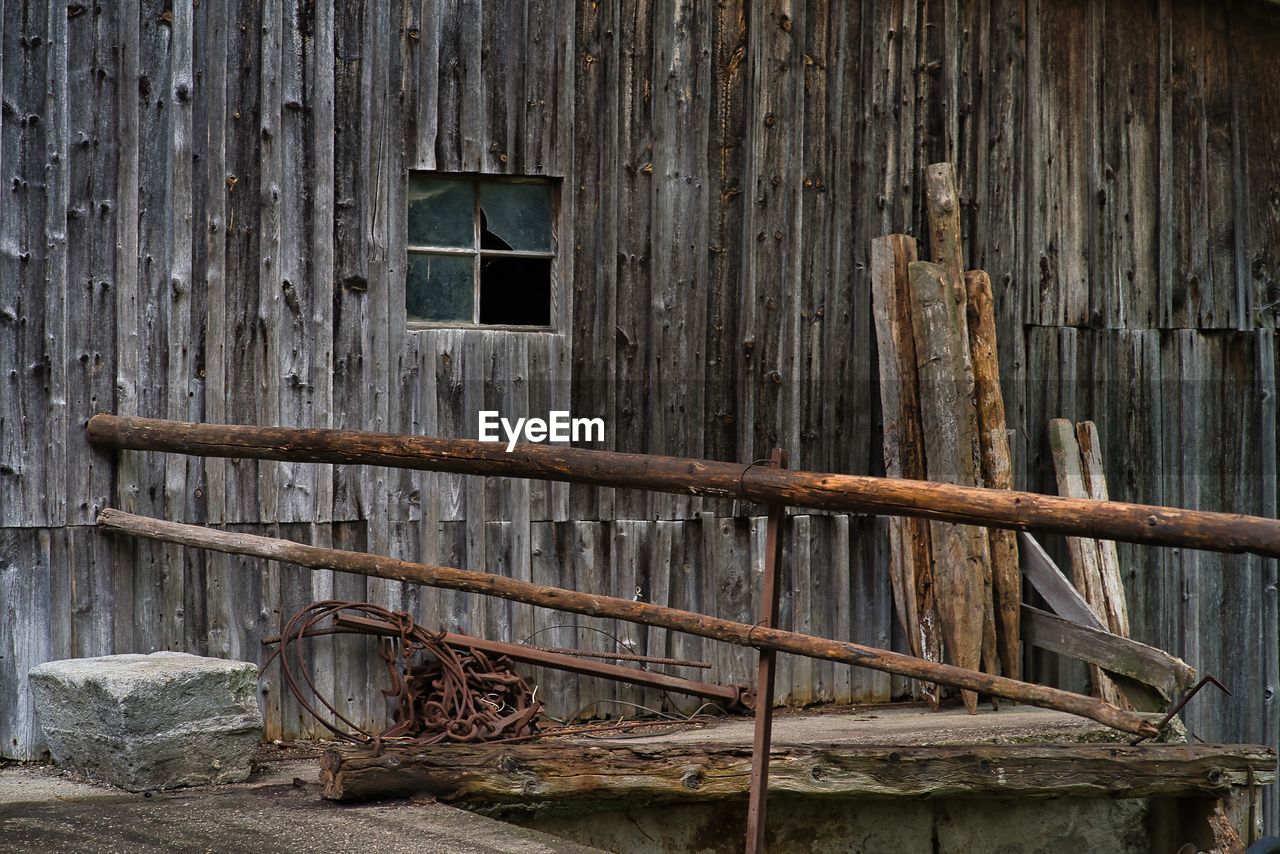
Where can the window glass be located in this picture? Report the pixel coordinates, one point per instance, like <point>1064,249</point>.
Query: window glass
<point>441,212</point>
<point>440,287</point>
<point>515,291</point>
<point>515,216</point>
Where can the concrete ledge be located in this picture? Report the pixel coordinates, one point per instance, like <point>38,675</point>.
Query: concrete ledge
<point>145,722</point>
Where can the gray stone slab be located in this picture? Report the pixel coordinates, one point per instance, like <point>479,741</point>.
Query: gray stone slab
<point>145,722</point>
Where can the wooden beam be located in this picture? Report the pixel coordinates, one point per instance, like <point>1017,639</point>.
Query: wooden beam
<point>997,466</point>
<point>1136,523</point>
<point>558,771</point>
<point>1112,653</point>
<point>910,549</point>
<point>610,607</point>
<point>961,553</point>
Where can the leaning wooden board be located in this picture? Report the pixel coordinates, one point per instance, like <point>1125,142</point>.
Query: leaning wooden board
<point>910,551</point>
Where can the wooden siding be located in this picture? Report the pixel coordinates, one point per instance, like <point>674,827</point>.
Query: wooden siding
<point>204,219</point>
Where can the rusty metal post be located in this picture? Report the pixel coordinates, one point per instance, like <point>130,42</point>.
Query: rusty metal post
<point>758,797</point>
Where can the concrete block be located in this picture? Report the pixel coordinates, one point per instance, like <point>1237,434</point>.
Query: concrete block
<point>155,721</point>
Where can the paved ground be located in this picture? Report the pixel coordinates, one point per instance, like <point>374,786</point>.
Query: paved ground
<point>277,811</point>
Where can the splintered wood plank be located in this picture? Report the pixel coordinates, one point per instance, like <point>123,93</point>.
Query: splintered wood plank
<point>997,465</point>
<point>1145,664</point>
<point>910,557</point>
<point>1095,484</point>
<point>1085,572</point>
<point>961,552</point>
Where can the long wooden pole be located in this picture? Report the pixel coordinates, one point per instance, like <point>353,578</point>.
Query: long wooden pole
<point>610,607</point>
<point>1115,520</point>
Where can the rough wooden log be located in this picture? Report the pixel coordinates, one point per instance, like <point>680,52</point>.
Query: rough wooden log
<point>1155,667</point>
<point>1095,485</point>
<point>1135,523</point>
<point>997,466</point>
<point>645,613</point>
<point>1085,573</point>
<point>557,771</point>
<point>910,552</point>
<point>962,556</point>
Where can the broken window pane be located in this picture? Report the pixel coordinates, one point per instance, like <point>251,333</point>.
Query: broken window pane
<point>515,291</point>
<point>441,212</point>
<point>440,287</point>
<point>515,216</point>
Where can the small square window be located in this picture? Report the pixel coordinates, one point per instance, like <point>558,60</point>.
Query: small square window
<point>481,250</point>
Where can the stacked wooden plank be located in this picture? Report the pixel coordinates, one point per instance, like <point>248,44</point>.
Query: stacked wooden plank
<point>957,587</point>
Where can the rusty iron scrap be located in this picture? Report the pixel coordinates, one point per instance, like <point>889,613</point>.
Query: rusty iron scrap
<point>440,693</point>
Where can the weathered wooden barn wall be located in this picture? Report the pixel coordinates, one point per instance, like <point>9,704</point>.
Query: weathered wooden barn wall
<point>204,219</point>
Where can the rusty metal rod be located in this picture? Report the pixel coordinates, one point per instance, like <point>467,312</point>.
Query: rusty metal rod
<point>1105,520</point>
<point>735,697</point>
<point>610,607</point>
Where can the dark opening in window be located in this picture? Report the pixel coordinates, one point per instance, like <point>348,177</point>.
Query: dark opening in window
<point>481,250</point>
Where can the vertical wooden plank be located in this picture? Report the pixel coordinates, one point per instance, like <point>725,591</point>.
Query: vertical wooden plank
<point>1256,116</point>
<point>91,237</point>
<point>181,474</point>
<point>593,189</point>
<point>807,602</point>
<point>1125,273</point>
<point>1202,289</point>
<point>25,598</point>
<point>770,274</point>
<point>352,401</point>
<point>685,543</point>
<point>212,85</point>
<point>636,281</point>
<point>1061,64</point>
<point>680,197</point>
<point>558,690</point>
<point>1267,506</point>
<point>33,267</point>
<point>845,394</point>
<point>320,99</point>
<point>628,553</point>
<point>728,155</point>
<point>245,356</point>
<point>844,614</point>
<point>270,393</point>
<point>431,36</point>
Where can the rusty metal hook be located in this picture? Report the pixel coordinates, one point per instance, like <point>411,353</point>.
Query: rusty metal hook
<point>1186,698</point>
